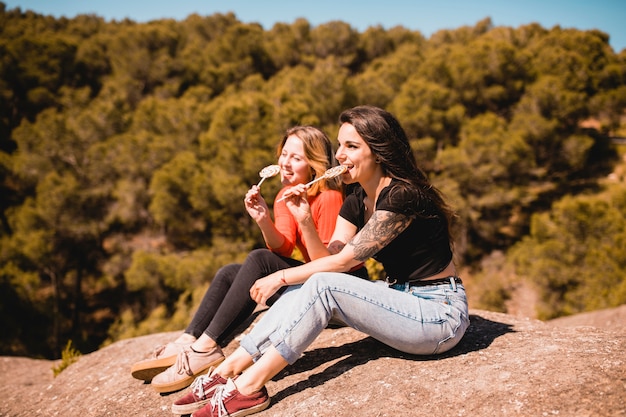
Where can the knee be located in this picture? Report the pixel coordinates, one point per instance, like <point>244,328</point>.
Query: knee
<point>322,279</point>
<point>259,254</point>
<point>226,274</point>
<point>227,270</point>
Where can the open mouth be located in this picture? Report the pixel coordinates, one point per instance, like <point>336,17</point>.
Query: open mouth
<point>287,176</point>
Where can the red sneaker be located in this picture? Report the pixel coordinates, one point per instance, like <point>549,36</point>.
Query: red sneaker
<point>227,401</point>
<point>202,390</point>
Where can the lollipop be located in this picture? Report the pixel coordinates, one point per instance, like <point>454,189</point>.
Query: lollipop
<point>268,172</point>
<point>330,173</point>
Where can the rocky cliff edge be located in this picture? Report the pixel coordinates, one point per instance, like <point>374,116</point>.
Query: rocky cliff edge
<point>504,366</point>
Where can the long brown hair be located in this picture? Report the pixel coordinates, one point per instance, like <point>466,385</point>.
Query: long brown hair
<point>388,141</point>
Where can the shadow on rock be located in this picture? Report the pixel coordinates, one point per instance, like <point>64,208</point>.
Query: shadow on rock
<point>479,335</point>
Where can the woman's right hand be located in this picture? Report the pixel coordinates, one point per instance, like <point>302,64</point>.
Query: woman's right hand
<point>264,288</point>
<point>255,204</point>
<point>298,204</point>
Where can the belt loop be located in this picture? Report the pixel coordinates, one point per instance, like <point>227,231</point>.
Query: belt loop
<point>453,283</point>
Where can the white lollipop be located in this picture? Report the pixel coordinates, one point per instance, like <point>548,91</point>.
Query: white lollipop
<point>268,172</point>
<point>330,173</point>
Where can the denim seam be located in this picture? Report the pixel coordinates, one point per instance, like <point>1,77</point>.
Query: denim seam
<point>366,299</point>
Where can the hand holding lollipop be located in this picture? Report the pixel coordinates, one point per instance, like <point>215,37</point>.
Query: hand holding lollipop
<point>330,173</point>
<point>267,172</point>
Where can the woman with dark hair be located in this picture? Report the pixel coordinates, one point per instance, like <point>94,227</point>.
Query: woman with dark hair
<point>395,216</point>
<point>303,154</point>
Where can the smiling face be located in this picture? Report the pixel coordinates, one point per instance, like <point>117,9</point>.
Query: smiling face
<point>356,155</point>
<point>294,166</point>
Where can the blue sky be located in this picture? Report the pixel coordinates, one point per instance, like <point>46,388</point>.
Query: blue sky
<point>426,16</point>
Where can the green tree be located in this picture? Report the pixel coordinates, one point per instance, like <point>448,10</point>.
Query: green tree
<point>429,111</point>
<point>488,74</point>
<point>383,78</point>
<point>576,254</point>
<point>492,167</point>
<point>126,148</point>
<point>333,39</point>
<point>285,43</point>
<point>547,117</point>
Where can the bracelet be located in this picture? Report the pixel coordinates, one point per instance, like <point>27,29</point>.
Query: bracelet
<point>282,280</point>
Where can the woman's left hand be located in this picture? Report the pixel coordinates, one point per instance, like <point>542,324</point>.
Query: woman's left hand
<point>264,288</point>
<point>255,204</point>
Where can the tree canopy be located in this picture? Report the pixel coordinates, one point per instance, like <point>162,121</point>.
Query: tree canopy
<point>126,149</point>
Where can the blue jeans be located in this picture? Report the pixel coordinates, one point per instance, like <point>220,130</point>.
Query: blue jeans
<point>421,320</point>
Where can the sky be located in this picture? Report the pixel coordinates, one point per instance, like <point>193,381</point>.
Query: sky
<point>425,16</point>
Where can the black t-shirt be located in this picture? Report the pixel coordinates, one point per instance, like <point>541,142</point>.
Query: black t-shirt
<point>421,250</point>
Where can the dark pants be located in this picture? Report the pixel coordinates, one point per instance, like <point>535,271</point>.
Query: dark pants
<point>227,304</point>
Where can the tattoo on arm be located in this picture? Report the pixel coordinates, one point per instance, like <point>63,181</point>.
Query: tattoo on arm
<point>381,228</point>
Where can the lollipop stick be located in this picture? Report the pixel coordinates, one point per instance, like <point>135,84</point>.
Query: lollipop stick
<point>261,182</point>
<point>310,183</point>
<point>307,185</point>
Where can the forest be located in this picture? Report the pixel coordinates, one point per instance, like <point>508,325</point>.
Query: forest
<point>126,149</point>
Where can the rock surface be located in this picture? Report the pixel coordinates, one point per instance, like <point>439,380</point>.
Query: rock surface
<point>504,366</point>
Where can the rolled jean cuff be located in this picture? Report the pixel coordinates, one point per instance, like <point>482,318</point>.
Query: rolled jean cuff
<point>249,346</point>
<point>283,349</point>
<point>276,340</point>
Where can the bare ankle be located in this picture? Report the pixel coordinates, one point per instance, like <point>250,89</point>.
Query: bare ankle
<point>245,389</point>
<point>204,344</point>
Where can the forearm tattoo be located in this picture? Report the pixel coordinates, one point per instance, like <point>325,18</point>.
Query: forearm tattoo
<point>381,228</point>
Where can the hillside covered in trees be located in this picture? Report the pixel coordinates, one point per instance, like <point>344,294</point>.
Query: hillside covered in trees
<point>126,150</point>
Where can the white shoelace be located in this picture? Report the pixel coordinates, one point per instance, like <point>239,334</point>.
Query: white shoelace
<point>221,394</point>
<point>197,387</point>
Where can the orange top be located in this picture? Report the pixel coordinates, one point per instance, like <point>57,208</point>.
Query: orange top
<point>324,209</point>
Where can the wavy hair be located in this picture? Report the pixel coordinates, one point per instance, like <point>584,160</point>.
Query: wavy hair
<point>389,143</point>
<point>318,151</point>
